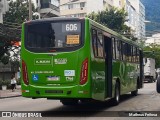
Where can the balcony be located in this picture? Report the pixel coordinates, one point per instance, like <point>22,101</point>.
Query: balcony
<point>49,10</point>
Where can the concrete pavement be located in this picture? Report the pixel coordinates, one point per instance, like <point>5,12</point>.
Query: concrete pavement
<point>9,93</point>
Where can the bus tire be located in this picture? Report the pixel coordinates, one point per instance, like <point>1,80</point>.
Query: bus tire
<point>135,92</point>
<point>116,98</point>
<point>69,102</point>
<point>151,80</point>
<point>158,85</point>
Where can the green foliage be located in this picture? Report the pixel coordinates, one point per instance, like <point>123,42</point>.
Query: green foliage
<point>5,82</point>
<point>5,59</point>
<point>18,12</point>
<point>114,19</point>
<point>153,51</point>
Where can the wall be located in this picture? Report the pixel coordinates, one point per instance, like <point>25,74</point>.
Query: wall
<point>94,5</point>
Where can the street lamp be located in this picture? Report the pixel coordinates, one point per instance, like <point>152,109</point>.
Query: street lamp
<point>30,10</point>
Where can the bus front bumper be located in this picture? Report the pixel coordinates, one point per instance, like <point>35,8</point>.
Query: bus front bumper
<point>56,92</point>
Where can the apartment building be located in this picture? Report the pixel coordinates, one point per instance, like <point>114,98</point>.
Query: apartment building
<point>131,20</point>
<point>119,3</point>
<point>48,8</point>
<point>136,13</point>
<point>108,4</point>
<point>154,39</point>
<point>80,8</point>
<point>3,8</point>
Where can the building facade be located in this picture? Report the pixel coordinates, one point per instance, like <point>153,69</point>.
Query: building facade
<point>154,39</point>
<point>108,4</point>
<point>80,8</point>
<point>119,3</point>
<point>131,20</point>
<point>3,8</point>
<point>48,8</point>
<point>136,15</point>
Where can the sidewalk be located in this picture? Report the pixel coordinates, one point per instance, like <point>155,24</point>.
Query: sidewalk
<point>9,93</point>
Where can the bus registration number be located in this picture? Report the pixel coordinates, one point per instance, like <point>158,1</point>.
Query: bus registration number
<point>53,78</point>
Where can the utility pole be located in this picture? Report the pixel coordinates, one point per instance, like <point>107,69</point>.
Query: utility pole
<point>30,10</point>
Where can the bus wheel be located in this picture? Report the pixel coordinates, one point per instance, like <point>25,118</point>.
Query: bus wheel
<point>135,92</point>
<point>158,84</point>
<point>116,98</point>
<point>151,79</point>
<point>69,102</point>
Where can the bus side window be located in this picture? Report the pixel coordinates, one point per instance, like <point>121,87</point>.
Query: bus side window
<point>97,43</point>
<point>134,54</point>
<point>113,48</point>
<point>124,51</point>
<point>117,49</point>
<point>121,50</point>
<point>100,44</point>
<point>132,59</point>
<point>137,55</point>
<point>129,53</point>
<point>94,42</point>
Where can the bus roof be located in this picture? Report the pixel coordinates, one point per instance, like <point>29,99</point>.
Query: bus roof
<point>56,19</point>
<point>98,25</point>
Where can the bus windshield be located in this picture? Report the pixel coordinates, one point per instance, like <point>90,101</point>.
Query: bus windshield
<point>44,36</point>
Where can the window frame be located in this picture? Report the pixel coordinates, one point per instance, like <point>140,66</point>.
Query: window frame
<point>48,50</point>
<point>95,51</point>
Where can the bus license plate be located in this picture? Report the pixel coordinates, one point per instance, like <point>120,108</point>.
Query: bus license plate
<point>53,78</point>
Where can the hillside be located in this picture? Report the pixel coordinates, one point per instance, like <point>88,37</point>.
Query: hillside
<point>152,9</point>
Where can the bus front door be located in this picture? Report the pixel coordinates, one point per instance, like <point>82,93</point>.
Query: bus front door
<point>108,66</point>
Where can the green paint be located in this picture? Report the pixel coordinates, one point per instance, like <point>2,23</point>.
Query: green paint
<point>54,64</point>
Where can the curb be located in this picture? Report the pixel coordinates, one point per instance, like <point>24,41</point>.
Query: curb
<point>10,96</point>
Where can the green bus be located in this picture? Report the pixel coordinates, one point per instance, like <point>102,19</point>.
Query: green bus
<point>77,60</point>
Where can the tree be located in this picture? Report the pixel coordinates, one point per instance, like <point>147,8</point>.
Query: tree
<point>114,19</point>
<point>10,30</point>
<point>18,12</point>
<point>153,51</point>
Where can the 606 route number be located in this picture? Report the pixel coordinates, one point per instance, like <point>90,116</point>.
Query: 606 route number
<point>71,27</point>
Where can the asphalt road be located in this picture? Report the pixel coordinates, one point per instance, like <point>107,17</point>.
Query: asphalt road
<point>147,102</point>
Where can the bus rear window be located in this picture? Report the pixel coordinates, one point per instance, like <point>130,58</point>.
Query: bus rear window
<point>48,35</point>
